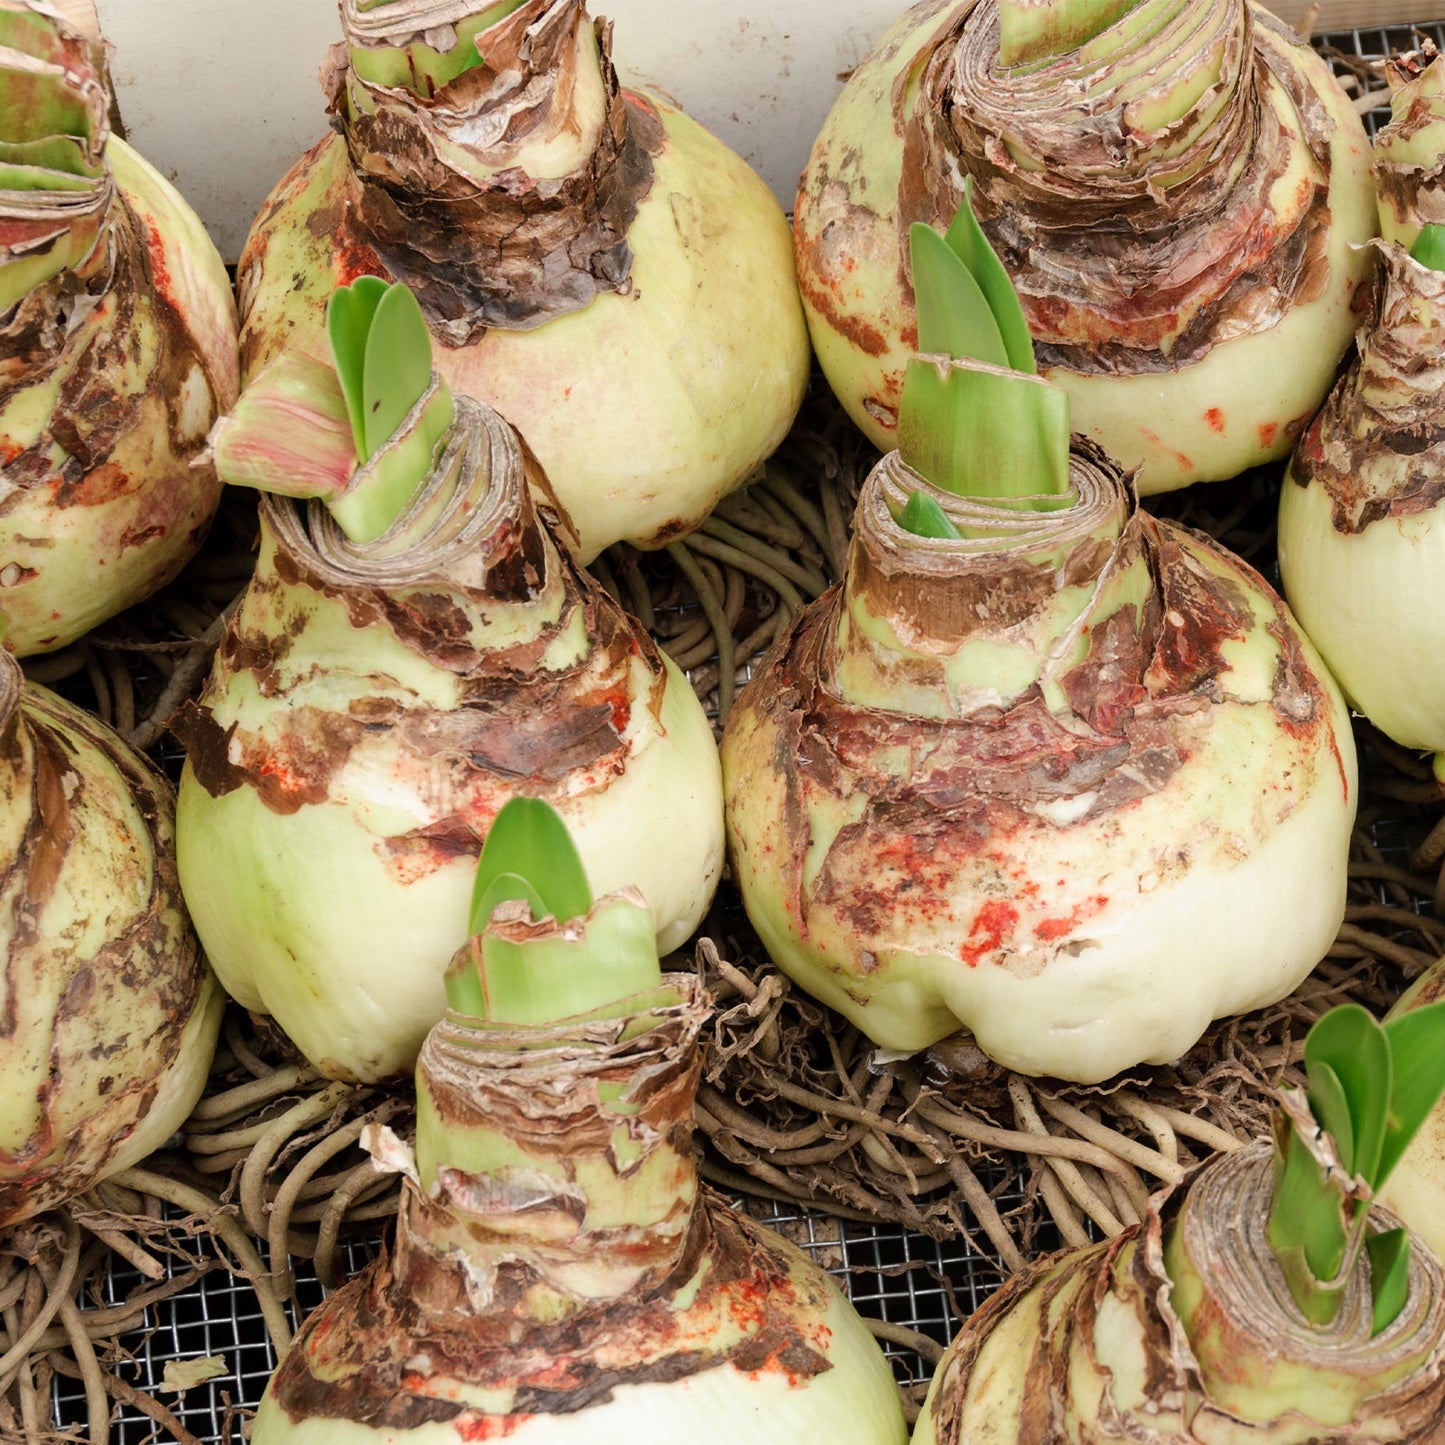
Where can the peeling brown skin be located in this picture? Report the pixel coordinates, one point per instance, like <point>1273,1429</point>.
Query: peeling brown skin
<point>511,252</point>
<point>145,978</point>
<point>1137,705</point>
<point>1377,446</point>
<point>1413,194</point>
<point>90,414</point>
<point>356,1357</point>
<point>989,597</point>
<point>1138,677</point>
<point>368,1331</point>
<point>151,514</point>
<point>1104,264</point>
<point>514,720</point>
<point>1184,1362</point>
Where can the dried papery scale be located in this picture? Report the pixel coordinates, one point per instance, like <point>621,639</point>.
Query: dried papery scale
<point>117,349</point>
<point>1181,1328</point>
<point>1074,781</point>
<point>1360,524</point>
<point>1176,198</point>
<point>370,709</point>
<point>1409,164</point>
<point>111,1011</point>
<point>575,247</point>
<point>557,1272</point>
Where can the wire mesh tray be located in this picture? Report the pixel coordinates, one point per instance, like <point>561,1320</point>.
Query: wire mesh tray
<point>910,1283</point>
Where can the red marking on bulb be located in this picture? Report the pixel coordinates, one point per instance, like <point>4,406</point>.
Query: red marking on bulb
<point>160,272</point>
<point>1215,418</point>
<point>1268,430</point>
<point>488,1427</point>
<point>1184,463</point>
<point>991,925</point>
<point>1050,930</point>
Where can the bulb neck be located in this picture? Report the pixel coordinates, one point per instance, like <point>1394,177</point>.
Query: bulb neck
<point>1231,1301</point>
<point>473,193</point>
<point>940,627</point>
<point>555,1166</point>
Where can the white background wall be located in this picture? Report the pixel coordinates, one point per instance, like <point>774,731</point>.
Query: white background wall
<point>223,96</point>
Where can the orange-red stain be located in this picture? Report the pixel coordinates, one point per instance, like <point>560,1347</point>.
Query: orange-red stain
<point>621,706</point>
<point>488,1427</point>
<point>748,1303</point>
<point>991,925</point>
<point>1184,463</point>
<point>1215,418</point>
<point>1268,430</point>
<point>160,272</point>
<point>1050,930</point>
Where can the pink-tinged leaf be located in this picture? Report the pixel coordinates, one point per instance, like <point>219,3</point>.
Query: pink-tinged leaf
<point>289,433</point>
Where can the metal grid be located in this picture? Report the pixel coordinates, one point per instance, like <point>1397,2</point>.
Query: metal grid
<point>906,1279</point>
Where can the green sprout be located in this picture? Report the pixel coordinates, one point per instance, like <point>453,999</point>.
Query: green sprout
<point>1370,1087</point>
<point>975,419</point>
<point>1429,247</point>
<point>595,957</point>
<point>363,434</point>
<point>382,352</point>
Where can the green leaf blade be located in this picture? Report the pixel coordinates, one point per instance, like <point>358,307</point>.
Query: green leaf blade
<point>954,316</point>
<point>967,241</point>
<point>529,840</point>
<point>1332,1108</point>
<point>397,365</point>
<point>1389,1276</point>
<point>1307,1230</point>
<point>982,432</point>
<point>348,324</point>
<point>922,516</point>
<point>539,981</point>
<point>1429,247</point>
<point>1417,1049</point>
<point>1350,1041</point>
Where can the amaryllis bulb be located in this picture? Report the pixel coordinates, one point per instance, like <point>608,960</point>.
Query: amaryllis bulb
<point>560,1275</point>
<point>1178,199</point>
<point>609,276</point>
<point>373,706</point>
<point>1361,527</point>
<point>112,1012</point>
<point>1182,1329</point>
<point>1073,781</point>
<point>117,349</point>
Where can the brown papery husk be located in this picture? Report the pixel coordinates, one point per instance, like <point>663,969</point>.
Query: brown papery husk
<point>1120,267</point>
<point>466,1324</point>
<point>1377,446</point>
<point>496,553</point>
<point>471,244</point>
<point>1086,1346</point>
